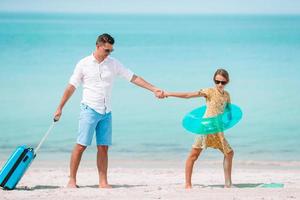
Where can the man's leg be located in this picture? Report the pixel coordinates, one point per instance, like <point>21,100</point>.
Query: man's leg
<point>104,140</point>
<point>102,164</point>
<point>74,163</point>
<point>87,123</point>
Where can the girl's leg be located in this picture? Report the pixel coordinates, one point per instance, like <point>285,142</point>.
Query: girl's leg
<point>227,164</point>
<point>194,154</point>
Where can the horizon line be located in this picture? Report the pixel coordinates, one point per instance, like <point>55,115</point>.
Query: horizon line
<point>147,13</point>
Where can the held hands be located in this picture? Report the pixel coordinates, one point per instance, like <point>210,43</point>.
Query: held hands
<point>160,94</point>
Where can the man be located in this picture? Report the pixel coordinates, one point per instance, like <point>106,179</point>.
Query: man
<point>96,73</point>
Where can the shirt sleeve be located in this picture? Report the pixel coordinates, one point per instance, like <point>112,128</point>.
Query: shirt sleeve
<point>76,78</point>
<point>122,71</point>
<point>206,92</point>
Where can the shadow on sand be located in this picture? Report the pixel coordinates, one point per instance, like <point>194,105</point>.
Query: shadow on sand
<point>38,187</point>
<point>246,185</point>
<point>114,186</point>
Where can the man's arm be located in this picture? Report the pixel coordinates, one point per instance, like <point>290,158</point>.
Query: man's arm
<point>67,94</point>
<point>139,81</point>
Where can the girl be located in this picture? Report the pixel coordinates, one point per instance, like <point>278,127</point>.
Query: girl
<point>216,100</point>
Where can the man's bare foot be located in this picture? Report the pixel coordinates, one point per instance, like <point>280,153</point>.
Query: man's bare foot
<point>106,186</point>
<point>188,186</point>
<point>72,184</point>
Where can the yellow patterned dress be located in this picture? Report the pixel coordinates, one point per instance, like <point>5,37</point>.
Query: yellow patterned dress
<point>216,103</point>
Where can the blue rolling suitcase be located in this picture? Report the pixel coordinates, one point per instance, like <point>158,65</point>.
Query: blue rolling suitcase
<point>18,163</point>
<point>15,167</point>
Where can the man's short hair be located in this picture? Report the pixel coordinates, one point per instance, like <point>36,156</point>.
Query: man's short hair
<point>105,38</point>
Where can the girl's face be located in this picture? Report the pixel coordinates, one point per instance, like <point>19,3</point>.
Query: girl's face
<point>220,82</point>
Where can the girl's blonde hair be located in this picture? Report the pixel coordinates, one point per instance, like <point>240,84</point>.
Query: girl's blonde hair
<point>223,73</point>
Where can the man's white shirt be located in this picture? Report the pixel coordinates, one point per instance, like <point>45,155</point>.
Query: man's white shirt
<point>97,81</point>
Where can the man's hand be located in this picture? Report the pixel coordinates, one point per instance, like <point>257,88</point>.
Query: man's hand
<point>57,115</point>
<point>159,93</point>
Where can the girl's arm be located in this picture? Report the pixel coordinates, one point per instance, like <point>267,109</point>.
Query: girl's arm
<point>228,107</point>
<point>185,95</point>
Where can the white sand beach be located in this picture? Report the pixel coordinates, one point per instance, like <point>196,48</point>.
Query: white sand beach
<point>159,180</point>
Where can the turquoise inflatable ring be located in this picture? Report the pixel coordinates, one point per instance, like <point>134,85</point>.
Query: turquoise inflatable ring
<point>195,123</point>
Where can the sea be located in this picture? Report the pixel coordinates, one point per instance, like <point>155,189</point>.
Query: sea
<point>175,52</point>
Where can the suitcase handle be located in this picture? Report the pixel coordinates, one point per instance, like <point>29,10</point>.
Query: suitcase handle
<point>45,136</point>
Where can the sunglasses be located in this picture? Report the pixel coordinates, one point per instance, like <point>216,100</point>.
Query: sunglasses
<point>222,82</point>
<point>108,50</point>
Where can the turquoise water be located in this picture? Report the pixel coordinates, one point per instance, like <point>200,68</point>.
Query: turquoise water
<point>175,52</point>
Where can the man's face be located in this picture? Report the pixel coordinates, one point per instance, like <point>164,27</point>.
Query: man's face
<point>105,49</point>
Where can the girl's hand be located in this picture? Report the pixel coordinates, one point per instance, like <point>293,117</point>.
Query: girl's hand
<point>166,94</point>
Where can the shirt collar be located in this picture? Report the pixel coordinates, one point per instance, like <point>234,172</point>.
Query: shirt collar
<point>96,61</point>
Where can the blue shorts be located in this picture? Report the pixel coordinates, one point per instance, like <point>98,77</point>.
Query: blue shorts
<point>90,122</point>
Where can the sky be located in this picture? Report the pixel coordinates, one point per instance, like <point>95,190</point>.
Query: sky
<point>154,6</point>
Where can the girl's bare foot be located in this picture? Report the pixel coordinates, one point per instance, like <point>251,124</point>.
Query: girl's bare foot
<point>228,186</point>
<point>188,186</point>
